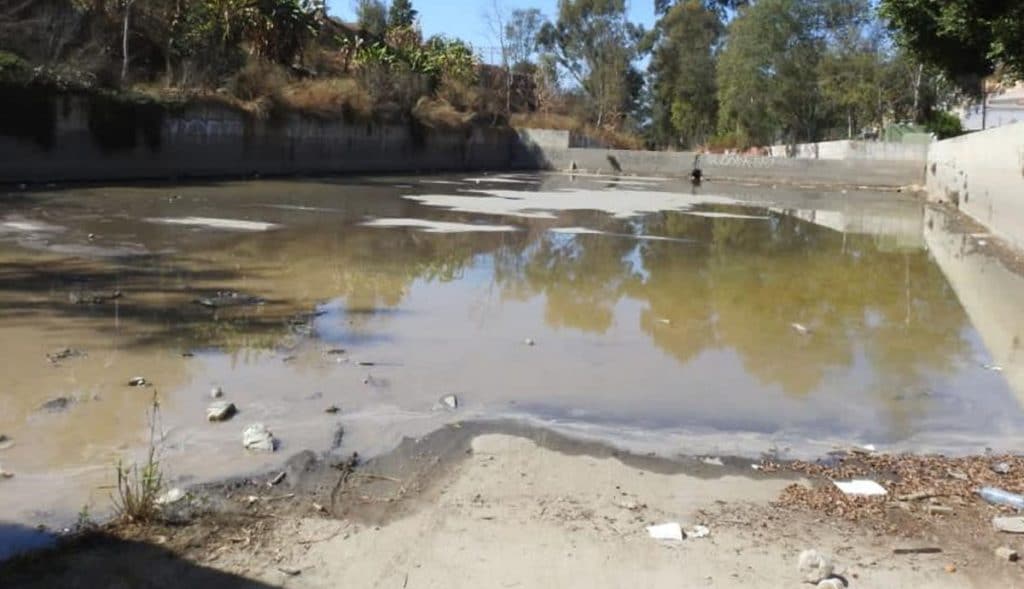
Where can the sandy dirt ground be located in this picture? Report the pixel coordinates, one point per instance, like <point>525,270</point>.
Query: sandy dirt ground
<point>511,511</point>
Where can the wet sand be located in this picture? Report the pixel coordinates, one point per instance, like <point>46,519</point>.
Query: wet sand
<point>500,505</point>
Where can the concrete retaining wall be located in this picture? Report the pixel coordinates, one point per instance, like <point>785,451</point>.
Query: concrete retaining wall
<point>845,149</point>
<point>983,175</point>
<point>123,142</point>
<point>739,167</point>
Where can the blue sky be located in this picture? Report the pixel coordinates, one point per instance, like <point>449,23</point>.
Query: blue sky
<point>465,18</point>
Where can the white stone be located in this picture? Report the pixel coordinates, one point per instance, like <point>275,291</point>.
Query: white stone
<point>814,566</point>
<point>258,437</point>
<point>220,411</point>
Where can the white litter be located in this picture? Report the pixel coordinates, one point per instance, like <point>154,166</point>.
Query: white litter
<point>801,329</point>
<point>712,461</point>
<point>698,532</point>
<point>669,531</point>
<point>861,487</point>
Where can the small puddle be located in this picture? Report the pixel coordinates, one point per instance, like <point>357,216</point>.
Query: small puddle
<point>646,313</point>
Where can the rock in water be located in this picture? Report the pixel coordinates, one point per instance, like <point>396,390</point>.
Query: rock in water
<point>171,497</point>
<point>258,437</point>
<point>814,566</point>
<point>220,411</point>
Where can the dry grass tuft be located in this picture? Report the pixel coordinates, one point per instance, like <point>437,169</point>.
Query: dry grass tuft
<point>328,98</point>
<point>434,112</point>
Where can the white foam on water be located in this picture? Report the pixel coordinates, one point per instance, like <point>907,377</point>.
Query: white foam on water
<point>586,231</point>
<point>428,226</point>
<point>214,223</point>
<point>543,204</point>
<point>500,180</point>
<point>25,226</point>
<point>717,215</point>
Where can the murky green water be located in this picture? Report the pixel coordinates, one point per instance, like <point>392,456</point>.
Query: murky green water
<point>724,319</point>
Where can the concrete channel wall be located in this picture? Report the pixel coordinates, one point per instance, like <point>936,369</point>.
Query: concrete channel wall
<point>983,175</point>
<point>77,139</point>
<point>848,149</point>
<point>49,138</point>
<point>873,173</point>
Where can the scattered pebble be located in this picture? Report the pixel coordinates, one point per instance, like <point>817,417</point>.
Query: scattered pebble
<point>332,409</point>
<point>1001,468</point>
<point>137,381</point>
<point>1006,553</point>
<point>449,402</point>
<point>5,442</point>
<point>832,583</point>
<point>529,342</point>
<point>258,437</point>
<point>170,497</point>
<point>712,461</point>
<point>4,474</point>
<point>58,404</point>
<point>814,566</point>
<point>291,572</point>
<point>1010,525</point>
<point>950,568</point>
<point>801,329</point>
<point>221,411</point>
<point>216,393</point>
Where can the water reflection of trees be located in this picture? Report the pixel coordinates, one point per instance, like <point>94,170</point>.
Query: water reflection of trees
<point>743,286</point>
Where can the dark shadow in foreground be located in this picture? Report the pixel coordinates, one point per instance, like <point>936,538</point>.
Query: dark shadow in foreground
<point>99,561</point>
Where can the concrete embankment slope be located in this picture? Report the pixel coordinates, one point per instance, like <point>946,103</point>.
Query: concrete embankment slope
<point>983,175</point>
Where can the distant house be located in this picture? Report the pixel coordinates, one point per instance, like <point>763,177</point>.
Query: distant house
<point>1004,106</point>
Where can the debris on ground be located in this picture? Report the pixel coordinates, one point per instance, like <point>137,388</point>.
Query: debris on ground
<point>64,354</point>
<point>831,583</point>
<point>332,409</point>
<point>529,342</point>
<point>861,488</point>
<point>668,531</point>
<point>137,381</point>
<point>258,437</point>
<point>228,299</point>
<point>698,531</point>
<point>277,479</point>
<point>997,496</point>
<point>918,550</point>
<point>909,478</point>
<point>449,402</point>
<point>951,568</point>
<point>171,497</point>
<point>5,474</point>
<point>221,411</point>
<point>291,572</point>
<point>216,393</point>
<point>801,329</point>
<point>1010,525</point>
<point>57,404</point>
<point>814,566</point>
<point>1001,468</point>
<point>1006,553</point>
<point>712,461</point>
<point>6,443</point>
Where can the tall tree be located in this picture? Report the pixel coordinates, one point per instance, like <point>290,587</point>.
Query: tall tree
<point>401,14</point>
<point>684,105</point>
<point>521,34</point>
<point>596,44</point>
<point>767,74</point>
<point>372,16</point>
<point>967,39</point>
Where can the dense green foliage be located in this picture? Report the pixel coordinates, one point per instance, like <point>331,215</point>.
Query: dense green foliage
<point>967,39</point>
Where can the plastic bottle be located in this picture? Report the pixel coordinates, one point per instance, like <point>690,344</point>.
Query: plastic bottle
<point>1001,497</point>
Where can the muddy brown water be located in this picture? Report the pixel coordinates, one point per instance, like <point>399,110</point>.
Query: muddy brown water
<point>639,312</point>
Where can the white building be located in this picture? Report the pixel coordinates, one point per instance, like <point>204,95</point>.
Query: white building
<point>1004,106</point>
